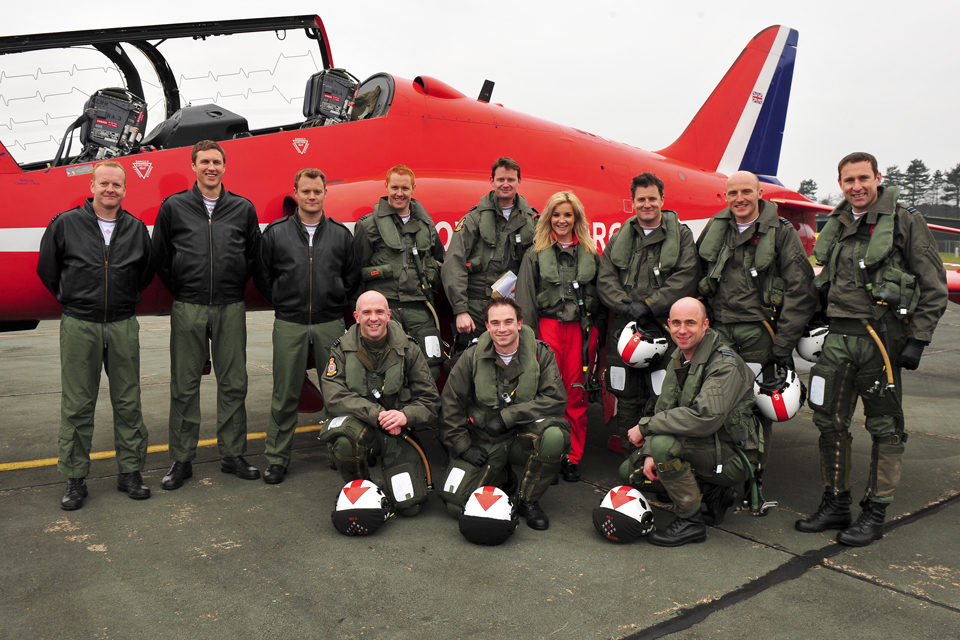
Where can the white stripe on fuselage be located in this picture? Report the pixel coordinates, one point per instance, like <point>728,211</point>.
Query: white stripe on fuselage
<point>737,145</point>
<point>28,239</point>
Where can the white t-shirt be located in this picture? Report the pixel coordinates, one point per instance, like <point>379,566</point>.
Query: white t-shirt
<point>857,216</point>
<point>507,211</point>
<point>648,230</point>
<point>106,228</point>
<point>507,357</point>
<point>311,229</point>
<point>210,204</point>
<point>405,218</point>
<point>746,225</point>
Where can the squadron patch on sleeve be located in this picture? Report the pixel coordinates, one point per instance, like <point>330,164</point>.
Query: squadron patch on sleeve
<point>331,368</point>
<point>460,224</point>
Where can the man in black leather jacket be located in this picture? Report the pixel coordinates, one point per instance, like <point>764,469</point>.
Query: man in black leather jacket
<point>205,242</point>
<point>96,260</point>
<point>309,272</point>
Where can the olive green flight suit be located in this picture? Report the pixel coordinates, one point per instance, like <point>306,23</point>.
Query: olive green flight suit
<point>528,394</point>
<point>484,246</point>
<point>356,389</point>
<point>851,364</point>
<point>385,248</point>
<point>704,413</point>
<point>82,356</point>
<point>785,299</point>
<point>643,278</point>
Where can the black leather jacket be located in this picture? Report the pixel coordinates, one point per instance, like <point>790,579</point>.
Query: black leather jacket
<point>307,285</point>
<point>203,259</point>
<point>92,283</point>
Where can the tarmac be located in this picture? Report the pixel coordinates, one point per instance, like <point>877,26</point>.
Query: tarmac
<point>224,557</point>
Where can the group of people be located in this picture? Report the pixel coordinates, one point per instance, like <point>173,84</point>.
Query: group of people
<point>730,305</point>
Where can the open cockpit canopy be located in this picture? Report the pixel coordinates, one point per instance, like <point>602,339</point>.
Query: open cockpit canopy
<point>82,96</point>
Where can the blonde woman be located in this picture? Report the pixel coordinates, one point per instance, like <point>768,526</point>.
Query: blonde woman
<point>556,290</point>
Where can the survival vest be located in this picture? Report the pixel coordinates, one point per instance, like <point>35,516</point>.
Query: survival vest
<point>395,251</point>
<point>493,243</point>
<point>490,394</point>
<point>739,423</point>
<point>662,256</point>
<point>387,389</point>
<point>557,284</point>
<point>881,267</point>
<point>761,265</point>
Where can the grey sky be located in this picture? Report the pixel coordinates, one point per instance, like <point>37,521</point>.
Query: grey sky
<point>878,77</point>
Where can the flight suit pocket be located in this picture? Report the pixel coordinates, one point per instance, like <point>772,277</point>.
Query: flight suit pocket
<point>826,381</point>
<point>870,384</point>
<point>622,381</point>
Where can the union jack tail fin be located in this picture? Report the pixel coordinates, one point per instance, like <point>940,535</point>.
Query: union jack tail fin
<point>740,126</point>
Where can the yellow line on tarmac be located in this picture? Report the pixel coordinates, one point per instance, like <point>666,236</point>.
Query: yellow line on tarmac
<point>103,455</point>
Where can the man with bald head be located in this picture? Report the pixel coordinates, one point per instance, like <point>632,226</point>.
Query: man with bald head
<point>699,440</point>
<point>759,285</point>
<point>377,389</point>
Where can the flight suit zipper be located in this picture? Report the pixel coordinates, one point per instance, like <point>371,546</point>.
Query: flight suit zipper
<point>310,294</point>
<point>210,240</point>
<point>106,287</point>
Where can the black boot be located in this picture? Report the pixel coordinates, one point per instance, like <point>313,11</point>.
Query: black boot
<point>569,470</point>
<point>76,492</point>
<point>834,513</point>
<point>239,467</point>
<point>274,474</point>
<point>868,527</point>
<point>534,515</point>
<point>179,471</point>
<point>716,501</point>
<point>132,484</point>
<point>680,532</point>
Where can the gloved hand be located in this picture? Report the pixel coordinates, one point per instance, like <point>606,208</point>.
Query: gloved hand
<point>495,426</point>
<point>910,354</point>
<point>638,311</point>
<point>475,455</point>
<point>782,357</point>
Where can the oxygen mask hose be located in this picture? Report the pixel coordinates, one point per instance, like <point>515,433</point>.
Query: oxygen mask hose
<point>883,351</point>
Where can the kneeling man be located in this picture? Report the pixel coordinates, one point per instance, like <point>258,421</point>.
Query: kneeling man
<point>377,388</point>
<point>503,403</point>
<point>699,441</point>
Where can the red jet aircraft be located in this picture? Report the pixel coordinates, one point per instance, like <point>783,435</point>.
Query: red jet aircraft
<point>354,131</point>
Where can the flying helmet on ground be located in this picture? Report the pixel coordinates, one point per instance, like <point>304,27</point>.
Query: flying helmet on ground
<point>623,515</point>
<point>781,397</point>
<point>362,508</point>
<point>489,517</point>
<point>811,342</point>
<point>641,348</point>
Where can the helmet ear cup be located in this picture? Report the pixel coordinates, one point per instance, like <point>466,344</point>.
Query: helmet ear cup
<point>623,516</point>
<point>489,517</point>
<point>641,349</point>
<point>780,398</point>
<point>361,509</point>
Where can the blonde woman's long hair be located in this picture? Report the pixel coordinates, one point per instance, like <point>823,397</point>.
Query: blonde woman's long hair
<point>543,237</point>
